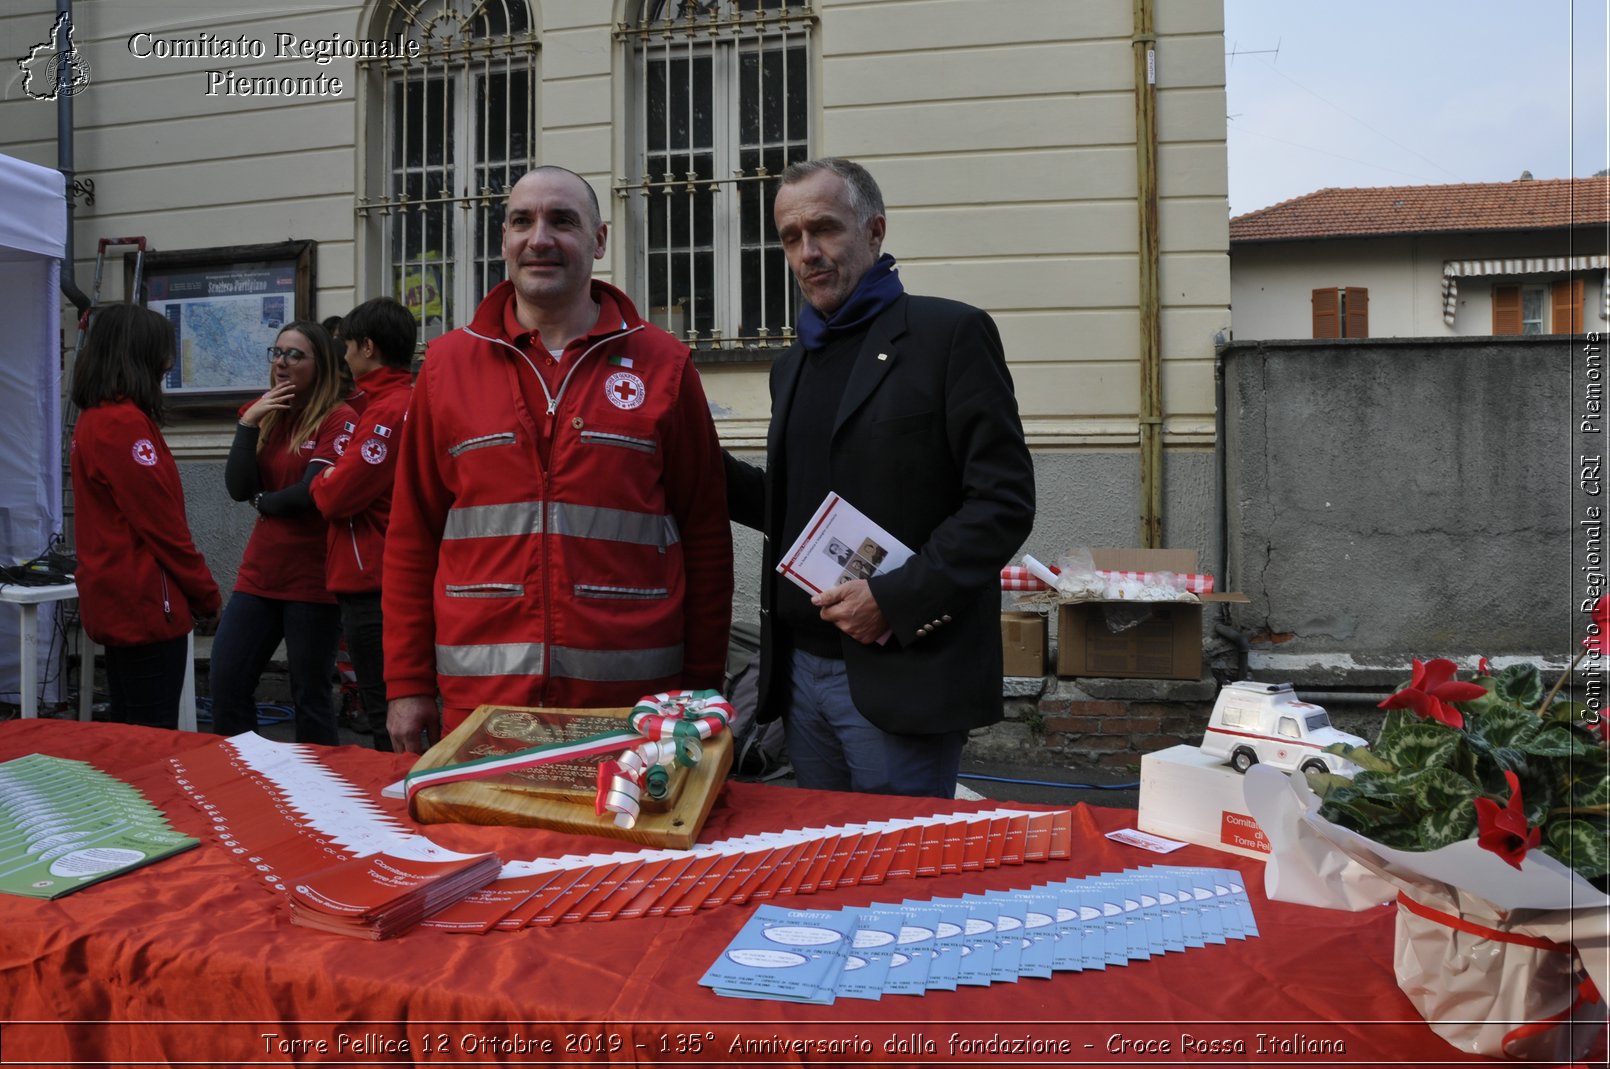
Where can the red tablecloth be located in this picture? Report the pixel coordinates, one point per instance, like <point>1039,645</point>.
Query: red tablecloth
<point>190,961</point>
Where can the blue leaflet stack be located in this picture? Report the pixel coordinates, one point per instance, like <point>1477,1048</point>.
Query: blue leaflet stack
<point>917,946</point>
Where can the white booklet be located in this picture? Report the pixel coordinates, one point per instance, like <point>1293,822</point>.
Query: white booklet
<point>840,543</point>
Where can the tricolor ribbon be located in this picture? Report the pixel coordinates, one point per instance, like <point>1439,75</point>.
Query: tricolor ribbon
<point>1586,993</point>
<point>676,723</point>
<point>683,715</point>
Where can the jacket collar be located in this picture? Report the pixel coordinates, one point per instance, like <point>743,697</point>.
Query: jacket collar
<point>879,352</point>
<point>616,312</point>
<point>384,379</point>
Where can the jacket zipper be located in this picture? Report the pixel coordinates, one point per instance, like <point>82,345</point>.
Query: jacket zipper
<point>553,407</point>
<point>353,531</point>
<point>552,397</point>
<point>167,604</point>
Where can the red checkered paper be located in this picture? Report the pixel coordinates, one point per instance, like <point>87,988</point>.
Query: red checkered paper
<point>1015,577</point>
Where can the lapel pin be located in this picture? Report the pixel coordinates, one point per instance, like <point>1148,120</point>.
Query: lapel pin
<point>883,356</point>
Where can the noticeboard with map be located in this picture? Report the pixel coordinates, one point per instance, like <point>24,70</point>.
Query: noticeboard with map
<point>227,306</point>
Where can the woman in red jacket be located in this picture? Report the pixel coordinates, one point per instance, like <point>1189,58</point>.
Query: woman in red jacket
<point>141,582</point>
<point>355,494</point>
<point>284,439</point>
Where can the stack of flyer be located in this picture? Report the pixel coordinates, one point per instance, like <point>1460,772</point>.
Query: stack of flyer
<point>66,824</point>
<point>940,944</point>
<point>386,894</point>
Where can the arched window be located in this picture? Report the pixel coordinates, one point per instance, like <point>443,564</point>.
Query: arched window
<point>721,104</point>
<point>447,134</point>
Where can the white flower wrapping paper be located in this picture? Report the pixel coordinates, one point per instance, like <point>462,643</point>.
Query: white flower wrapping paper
<point>1482,994</point>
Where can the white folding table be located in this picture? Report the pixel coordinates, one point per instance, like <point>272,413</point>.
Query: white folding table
<point>28,599</point>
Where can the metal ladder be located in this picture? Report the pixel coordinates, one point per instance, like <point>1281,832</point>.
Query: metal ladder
<point>101,246</point>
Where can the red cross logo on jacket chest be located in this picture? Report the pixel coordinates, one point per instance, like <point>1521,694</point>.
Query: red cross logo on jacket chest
<point>624,390</point>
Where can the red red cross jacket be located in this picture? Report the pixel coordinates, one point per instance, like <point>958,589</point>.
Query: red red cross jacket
<point>584,567</point>
<point>284,557</point>
<point>140,577</point>
<point>355,494</point>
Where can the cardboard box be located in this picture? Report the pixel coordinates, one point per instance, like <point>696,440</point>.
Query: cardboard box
<point>1023,643</point>
<point>1166,645</point>
<point>1187,795</point>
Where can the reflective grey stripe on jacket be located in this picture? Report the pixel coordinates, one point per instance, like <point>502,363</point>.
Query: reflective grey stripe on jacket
<point>531,658</point>
<point>519,518</point>
<point>625,441</point>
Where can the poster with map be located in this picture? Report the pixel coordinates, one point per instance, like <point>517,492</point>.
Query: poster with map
<point>224,319</point>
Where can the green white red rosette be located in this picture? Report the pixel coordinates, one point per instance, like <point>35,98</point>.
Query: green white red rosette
<point>676,723</point>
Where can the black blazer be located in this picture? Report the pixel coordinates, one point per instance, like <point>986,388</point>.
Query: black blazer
<point>927,442</point>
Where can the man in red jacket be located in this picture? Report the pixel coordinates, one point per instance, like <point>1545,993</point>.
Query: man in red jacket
<point>355,493</point>
<point>560,533</point>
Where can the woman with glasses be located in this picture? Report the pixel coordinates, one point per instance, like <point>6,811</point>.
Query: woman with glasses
<point>284,439</point>
<point>142,584</point>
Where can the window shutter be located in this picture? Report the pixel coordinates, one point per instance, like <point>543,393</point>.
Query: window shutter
<point>1566,314</point>
<point>1327,313</point>
<point>1357,304</point>
<point>1506,309</point>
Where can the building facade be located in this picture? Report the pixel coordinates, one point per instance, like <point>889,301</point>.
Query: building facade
<point>1005,137</point>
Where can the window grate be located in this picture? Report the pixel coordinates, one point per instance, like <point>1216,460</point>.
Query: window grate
<point>721,107</point>
<point>457,127</point>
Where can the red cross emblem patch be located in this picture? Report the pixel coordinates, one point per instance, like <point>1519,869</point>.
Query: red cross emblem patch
<point>145,453</point>
<point>374,451</point>
<point>625,390</point>
<point>340,444</point>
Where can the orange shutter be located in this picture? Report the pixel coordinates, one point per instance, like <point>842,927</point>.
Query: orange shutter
<point>1357,304</point>
<point>1327,314</point>
<point>1506,309</point>
<point>1566,313</point>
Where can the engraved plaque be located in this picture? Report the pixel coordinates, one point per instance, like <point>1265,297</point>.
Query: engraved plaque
<point>505,731</point>
<point>560,796</point>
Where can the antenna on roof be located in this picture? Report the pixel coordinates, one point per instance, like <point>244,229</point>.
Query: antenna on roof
<point>1237,50</point>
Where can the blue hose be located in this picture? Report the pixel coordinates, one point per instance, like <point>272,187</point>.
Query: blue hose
<point>267,712</point>
<point>1049,783</point>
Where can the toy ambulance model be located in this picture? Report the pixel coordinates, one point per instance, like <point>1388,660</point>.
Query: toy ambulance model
<point>1265,722</point>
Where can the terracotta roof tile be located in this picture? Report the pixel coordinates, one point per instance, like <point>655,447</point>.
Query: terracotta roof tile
<point>1527,204</point>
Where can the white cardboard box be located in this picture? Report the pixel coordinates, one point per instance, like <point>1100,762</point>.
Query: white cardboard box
<point>1185,794</point>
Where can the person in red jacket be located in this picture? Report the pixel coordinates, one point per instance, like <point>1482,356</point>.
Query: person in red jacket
<point>355,493</point>
<point>284,439</point>
<point>142,585</point>
<point>559,531</point>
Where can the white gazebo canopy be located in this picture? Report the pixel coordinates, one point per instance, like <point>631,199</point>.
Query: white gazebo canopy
<point>33,237</point>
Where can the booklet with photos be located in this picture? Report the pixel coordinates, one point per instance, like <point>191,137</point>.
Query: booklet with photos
<point>838,544</point>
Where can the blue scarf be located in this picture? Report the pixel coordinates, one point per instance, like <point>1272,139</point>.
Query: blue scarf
<point>877,290</point>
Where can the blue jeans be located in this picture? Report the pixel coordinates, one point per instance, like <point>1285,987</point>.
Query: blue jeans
<point>146,681</point>
<point>834,748</point>
<point>248,633</point>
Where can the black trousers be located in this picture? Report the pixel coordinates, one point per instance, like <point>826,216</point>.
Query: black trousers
<point>146,681</point>
<point>360,621</point>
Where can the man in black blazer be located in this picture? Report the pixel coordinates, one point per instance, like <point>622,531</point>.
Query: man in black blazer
<point>903,406</point>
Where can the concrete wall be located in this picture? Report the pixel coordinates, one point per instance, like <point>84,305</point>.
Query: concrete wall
<point>1391,499</point>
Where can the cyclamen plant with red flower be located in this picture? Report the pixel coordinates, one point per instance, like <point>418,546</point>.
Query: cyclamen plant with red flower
<point>1503,830</point>
<point>1491,758</point>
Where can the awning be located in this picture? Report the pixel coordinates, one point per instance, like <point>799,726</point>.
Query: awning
<point>1453,270</point>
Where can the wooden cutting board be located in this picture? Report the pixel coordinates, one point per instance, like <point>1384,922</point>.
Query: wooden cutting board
<point>561,797</point>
